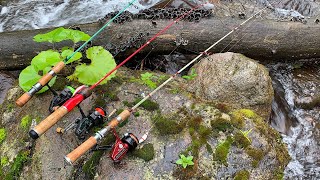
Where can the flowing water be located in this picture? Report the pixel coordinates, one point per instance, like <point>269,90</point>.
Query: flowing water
<point>296,113</point>
<point>297,86</point>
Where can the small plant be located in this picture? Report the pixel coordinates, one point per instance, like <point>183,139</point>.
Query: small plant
<point>185,161</point>
<point>146,79</point>
<point>192,75</point>
<point>26,122</point>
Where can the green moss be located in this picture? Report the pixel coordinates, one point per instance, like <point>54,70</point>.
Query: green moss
<point>26,122</point>
<point>136,114</point>
<point>248,113</point>
<point>191,131</point>
<point>221,124</point>
<point>89,168</point>
<point>195,122</point>
<point>148,104</point>
<point>17,165</point>
<point>222,150</point>
<point>240,140</point>
<point>4,161</point>
<point>283,156</point>
<point>3,134</point>
<point>10,107</point>
<point>146,152</point>
<point>256,154</point>
<point>167,125</point>
<point>242,175</point>
<point>278,174</point>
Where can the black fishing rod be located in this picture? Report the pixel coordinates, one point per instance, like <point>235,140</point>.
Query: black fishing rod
<point>58,67</point>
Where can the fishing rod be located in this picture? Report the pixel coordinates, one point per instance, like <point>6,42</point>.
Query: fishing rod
<point>125,114</point>
<point>83,92</point>
<point>60,65</point>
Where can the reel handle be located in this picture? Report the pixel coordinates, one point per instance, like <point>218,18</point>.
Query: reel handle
<point>38,86</point>
<point>47,123</point>
<point>80,150</point>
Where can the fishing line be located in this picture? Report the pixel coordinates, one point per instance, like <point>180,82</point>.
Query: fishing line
<point>143,46</point>
<point>83,92</point>
<point>93,140</point>
<point>60,65</point>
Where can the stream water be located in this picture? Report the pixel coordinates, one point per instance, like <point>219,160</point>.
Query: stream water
<point>297,86</point>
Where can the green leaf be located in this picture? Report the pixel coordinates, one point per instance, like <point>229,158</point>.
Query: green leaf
<point>45,59</point>
<point>101,63</point>
<point>189,158</point>
<point>61,34</point>
<point>68,52</point>
<point>29,76</point>
<point>179,161</point>
<point>184,165</point>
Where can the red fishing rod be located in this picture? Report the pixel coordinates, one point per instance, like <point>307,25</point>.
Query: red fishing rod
<point>83,92</point>
<point>93,140</point>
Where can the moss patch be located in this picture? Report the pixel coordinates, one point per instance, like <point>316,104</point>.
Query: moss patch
<point>3,134</point>
<point>168,125</point>
<point>241,141</point>
<point>256,154</point>
<point>146,152</point>
<point>17,165</point>
<point>242,175</point>
<point>147,105</point>
<point>221,124</point>
<point>26,122</point>
<point>222,150</point>
<point>4,161</point>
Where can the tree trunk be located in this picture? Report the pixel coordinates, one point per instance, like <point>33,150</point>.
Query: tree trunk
<point>263,40</point>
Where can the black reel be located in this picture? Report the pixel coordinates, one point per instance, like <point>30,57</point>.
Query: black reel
<point>85,123</point>
<point>59,99</point>
<point>131,140</point>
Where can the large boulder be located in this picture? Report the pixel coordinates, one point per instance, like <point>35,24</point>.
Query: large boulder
<point>234,79</point>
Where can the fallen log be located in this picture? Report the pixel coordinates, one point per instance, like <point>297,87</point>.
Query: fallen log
<point>263,40</point>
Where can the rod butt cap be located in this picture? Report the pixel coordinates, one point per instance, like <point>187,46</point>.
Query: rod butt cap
<point>33,134</point>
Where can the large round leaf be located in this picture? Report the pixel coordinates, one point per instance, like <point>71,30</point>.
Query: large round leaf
<point>45,59</point>
<point>29,76</point>
<point>101,63</point>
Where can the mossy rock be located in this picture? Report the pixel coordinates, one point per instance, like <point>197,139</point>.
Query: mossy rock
<point>17,165</point>
<point>146,152</point>
<point>168,125</point>
<point>242,175</point>
<point>147,104</point>
<point>221,124</point>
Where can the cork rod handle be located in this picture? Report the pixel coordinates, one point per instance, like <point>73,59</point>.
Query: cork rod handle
<point>80,150</point>
<point>43,81</point>
<point>47,123</point>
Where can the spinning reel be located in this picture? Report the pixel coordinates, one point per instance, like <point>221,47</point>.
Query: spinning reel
<point>120,148</point>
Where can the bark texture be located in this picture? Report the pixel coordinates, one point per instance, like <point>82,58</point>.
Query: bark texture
<point>263,40</point>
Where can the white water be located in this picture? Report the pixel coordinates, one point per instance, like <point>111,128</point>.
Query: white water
<point>31,14</point>
<point>303,141</point>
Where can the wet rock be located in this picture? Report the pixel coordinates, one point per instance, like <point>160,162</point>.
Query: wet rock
<point>196,137</point>
<point>233,79</point>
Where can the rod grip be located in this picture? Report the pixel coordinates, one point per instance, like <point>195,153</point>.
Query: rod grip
<point>56,69</point>
<point>47,123</point>
<point>23,99</point>
<point>38,86</point>
<point>80,150</point>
